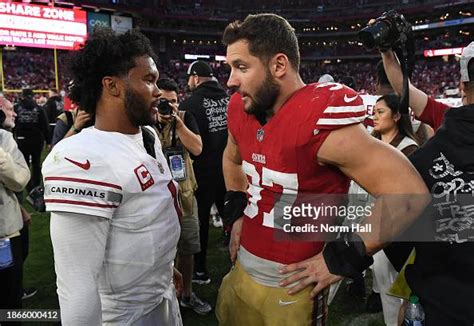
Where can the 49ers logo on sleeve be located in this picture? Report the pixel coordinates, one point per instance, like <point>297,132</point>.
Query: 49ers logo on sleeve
<point>144,177</point>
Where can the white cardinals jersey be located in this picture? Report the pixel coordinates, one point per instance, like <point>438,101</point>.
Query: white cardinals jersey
<point>110,175</point>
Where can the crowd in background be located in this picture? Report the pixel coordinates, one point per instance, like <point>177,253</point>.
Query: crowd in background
<point>36,71</point>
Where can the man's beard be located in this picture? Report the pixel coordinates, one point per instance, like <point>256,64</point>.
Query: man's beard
<point>9,124</point>
<point>137,110</point>
<point>264,97</point>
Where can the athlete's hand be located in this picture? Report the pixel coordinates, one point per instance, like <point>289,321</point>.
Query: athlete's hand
<point>235,239</point>
<point>178,282</point>
<point>310,271</point>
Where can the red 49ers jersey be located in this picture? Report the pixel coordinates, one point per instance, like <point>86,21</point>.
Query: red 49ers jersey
<point>280,157</point>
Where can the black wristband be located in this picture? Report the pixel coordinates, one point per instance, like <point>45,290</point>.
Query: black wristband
<point>234,205</point>
<point>347,256</point>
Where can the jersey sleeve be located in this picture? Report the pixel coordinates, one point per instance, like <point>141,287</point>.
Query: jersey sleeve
<point>343,107</point>
<point>338,106</point>
<point>79,181</point>
<point>433,113</point>
<point>235,111</point>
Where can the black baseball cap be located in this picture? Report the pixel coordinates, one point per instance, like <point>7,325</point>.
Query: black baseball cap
<point>200,68</point>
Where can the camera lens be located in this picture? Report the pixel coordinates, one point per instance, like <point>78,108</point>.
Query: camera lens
<point>375,35</point>
<point>164,107</point>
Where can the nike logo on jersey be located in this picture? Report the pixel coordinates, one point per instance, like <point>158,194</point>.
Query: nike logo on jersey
<point>85,166</point>
<point>286,303</point>
<point>349,99</point>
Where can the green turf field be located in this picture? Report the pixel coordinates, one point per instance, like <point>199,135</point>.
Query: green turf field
<point>39,272</point>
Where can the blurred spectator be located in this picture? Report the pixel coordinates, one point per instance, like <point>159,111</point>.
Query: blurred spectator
<point>348,81</point>
<point>208,104</point>
<point>53,107</point>
<point>326,78</point>
<point>41,101</point>
<point>14,175</point>
<point>179,136</point>
<point>70,123</point>
<point>32,130</point>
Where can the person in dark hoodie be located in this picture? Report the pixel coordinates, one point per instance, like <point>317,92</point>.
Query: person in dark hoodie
<point>32,130</point>
<point>441,275</point>
<point>53,108</point>
<point>208,104</point>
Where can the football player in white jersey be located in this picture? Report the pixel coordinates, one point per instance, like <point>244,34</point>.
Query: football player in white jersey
<point>114,217</point>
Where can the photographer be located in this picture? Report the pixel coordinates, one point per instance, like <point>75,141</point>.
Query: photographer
<point>179,135</point>
<point>441,275</point>
<point>70,123</point>
<point>14,175</point>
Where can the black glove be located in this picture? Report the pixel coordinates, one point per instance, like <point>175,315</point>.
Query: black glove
<point>234,205</point>
<point>347,257</point>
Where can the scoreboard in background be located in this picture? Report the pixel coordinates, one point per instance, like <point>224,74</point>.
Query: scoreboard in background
<point>23,24</point>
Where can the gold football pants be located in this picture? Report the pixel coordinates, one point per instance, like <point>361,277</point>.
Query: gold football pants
<point>242,301</point>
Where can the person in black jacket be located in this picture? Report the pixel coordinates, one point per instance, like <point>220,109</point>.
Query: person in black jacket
<point>208,104</point>
<point>441,275</point>
<point>32,130</point>
<point>53,107</point>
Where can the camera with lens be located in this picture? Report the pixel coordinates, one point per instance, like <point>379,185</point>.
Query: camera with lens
<point>164,107</point>
<point>389,30</point>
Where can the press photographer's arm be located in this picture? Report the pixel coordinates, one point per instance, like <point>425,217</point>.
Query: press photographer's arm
<point>417,98</point>
<point>190,140</point>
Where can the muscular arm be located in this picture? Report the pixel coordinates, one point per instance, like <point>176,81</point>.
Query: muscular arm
<point>79,243</point>
<point>235,180</point>
<point>382,171</point>
<point>418,99</point>
<point>234,176</point>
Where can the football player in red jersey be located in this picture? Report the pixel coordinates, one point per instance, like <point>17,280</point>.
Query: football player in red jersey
<point>287,138</point>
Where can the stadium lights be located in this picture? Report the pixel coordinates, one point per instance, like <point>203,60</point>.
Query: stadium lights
<point>196,56</point>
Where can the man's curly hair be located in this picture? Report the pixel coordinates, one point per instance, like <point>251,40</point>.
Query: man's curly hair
<point>105,53</point>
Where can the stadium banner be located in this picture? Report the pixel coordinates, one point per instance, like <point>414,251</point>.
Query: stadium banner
<point>442,52</point>
<point>121,24</point>
<point>37,26</point>
<point>95,19</point>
